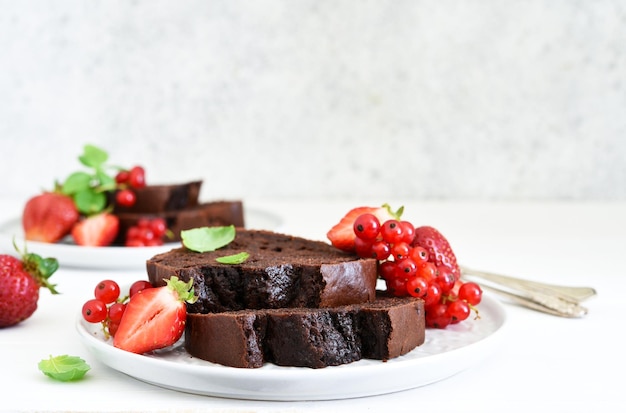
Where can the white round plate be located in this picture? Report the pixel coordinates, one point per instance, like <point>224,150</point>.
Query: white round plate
<point>114,257</point>
<point>444,353</point>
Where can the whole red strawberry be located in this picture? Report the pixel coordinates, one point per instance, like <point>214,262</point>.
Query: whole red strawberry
<point>20,281</point>
<point>48,217</point>
<point>439,250</point>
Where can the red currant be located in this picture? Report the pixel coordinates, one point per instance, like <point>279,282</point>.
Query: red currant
<point>419,255</point>
<point>445,278</point>
<point>158,227</point>
<point>391,231</point>
<point>137,177</point>
<point>458,311</point>
<point>150,232</point>
<point>138,286</point>
<point>125,198</point>
<point>400,251</point>
<point>363,248</point>
<point>94,311</point>
<point>107,291</point>
<point>367,227</point>
<point>387,270</point>
<point>471,292</point>
<point>122,177</point>
<point>408,232</point>
<point>112,328</point>
<point>396,286</point>
<point>428,271</point>
<point>406,269</point>
<point>116,311</point>
<point>380,250</point>
<point>417,287</point>
<point>433,294</point>
<point>437,316</point>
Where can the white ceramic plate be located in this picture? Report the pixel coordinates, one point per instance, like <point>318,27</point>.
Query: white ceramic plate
<point>445,353</point>
<point>118,257</point>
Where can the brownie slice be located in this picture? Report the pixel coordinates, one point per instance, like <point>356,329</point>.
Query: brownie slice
<point>282,271</point>
<point>162,198</point>
<point>308,337</point>
<point>210,214</point>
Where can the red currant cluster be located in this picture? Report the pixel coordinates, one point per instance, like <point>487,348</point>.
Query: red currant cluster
<point>147,233</point>
<point>107,307</point>
<point>127,180</point>
<point>408,269</point>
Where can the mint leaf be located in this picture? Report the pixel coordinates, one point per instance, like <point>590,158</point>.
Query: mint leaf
<point>64,368</point>
<point>205,239</point>
<point>89,202</point>
<point>93,156</point>
<point>106,182</point>
<point>76,182</point>
<point>233,259</point>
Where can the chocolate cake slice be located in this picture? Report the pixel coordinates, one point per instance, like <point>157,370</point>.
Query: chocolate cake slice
<point>162,198</point>
<point>282,271</point>
<point>308,337</point>
<point>210,214</point>
<point>178,205</point>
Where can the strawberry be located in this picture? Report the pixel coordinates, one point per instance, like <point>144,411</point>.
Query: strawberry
<point>342,234</point>
<point>155,317</point>
<point>97,230</point>
<point>48,217</point>
<point>20,281</point>
<point>438,248</point>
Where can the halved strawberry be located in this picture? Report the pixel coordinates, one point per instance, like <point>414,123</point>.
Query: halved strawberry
<point>342,234</point>
<point>438,247</point>
<point>155,317</point>
<point>97,230</point>
<point>48,217</point>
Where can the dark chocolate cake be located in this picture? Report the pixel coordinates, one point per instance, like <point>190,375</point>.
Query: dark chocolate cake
<point>210,214</point>
<point>178,204</point>
<point>163,198</point>
<point>308,337</point>
<point>282,271</point>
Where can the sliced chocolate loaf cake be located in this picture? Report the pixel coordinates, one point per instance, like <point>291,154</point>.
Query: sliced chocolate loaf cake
<point>179,206</point>
<point>308,337</point>
<point>162,198</point>
<point>210,214</point>
<point>282,271</point>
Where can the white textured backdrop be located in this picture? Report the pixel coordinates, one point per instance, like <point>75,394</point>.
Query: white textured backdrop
<point>491,99</point>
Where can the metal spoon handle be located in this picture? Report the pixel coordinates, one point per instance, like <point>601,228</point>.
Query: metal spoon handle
<point>553,299</point>
<point>574,294</point>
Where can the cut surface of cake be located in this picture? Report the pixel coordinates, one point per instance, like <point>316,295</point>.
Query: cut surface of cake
<point>308,337</point>
<point>282,271</point>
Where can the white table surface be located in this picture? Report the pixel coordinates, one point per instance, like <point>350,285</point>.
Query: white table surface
<point>545,363</point>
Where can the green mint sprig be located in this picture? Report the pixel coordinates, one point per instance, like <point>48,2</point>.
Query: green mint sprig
<point>89,188</point>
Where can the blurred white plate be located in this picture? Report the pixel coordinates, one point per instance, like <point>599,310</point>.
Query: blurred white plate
<point>445,353</point>
<point>114,257</point>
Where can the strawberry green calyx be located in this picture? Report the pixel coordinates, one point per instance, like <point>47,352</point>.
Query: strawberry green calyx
<point>396,214</point>
<point>184,290</point>
<point>41,269</point>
